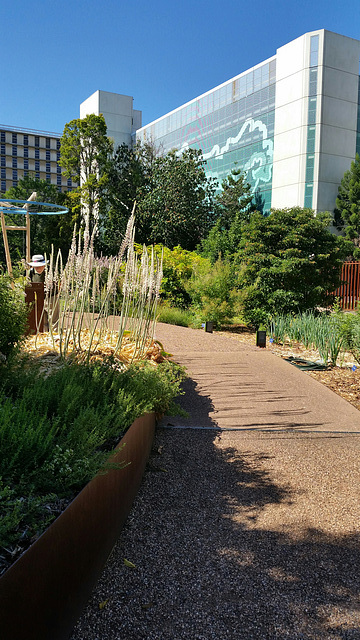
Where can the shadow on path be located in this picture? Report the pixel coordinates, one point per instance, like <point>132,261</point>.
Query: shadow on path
<point>206,570</point>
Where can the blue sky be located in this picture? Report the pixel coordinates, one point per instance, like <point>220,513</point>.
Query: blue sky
<point>54,55</point>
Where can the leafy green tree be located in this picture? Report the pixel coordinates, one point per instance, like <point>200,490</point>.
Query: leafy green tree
<point>85,153</point>
<point>129,178</point>
<point>347,212</point>
<point>234,206</point>
<point>45,230</point>
<point>235,202</point>
<point>178,206</point>
<point>288,262</point>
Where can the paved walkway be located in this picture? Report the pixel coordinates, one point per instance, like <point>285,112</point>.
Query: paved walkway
<point>236,386</point>
<point>247,522</point>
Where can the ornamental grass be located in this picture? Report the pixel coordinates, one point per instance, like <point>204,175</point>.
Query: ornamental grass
<point>89,315</point>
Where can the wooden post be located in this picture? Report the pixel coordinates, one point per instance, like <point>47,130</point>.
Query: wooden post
<point>6,244</point>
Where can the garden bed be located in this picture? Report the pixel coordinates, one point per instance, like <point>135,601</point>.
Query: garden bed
<point>44,591</point>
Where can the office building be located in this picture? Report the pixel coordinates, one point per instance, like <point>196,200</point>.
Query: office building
<point>292,122</point>
<point>26,151</point>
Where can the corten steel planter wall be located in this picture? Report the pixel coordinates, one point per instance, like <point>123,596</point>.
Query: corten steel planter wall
<point>43,593</point>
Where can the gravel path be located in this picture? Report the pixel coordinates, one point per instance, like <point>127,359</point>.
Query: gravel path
<point>248,528</point>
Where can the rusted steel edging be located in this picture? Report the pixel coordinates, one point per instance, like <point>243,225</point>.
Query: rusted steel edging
<point>43,593</point>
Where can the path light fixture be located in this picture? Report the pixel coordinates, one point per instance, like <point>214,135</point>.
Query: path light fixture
<point>261,339</point>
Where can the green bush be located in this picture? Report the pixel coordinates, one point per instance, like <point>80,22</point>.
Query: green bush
<point>24,516</point>
<point>212,292</point>
<point>58,429</point>
<point>287,263</point>
<point>173,315</point>
<point>178,267</point>
<point>13,315</point>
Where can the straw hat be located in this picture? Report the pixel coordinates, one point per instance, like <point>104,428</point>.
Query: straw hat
<point>38,261</point>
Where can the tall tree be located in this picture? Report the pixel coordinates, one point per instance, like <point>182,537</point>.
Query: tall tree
<point>129,178</point>
<point>235,201</point>
<point>85,152</point>
<point>178,206</point>
<point>347,212</point>
<point>234,206</point>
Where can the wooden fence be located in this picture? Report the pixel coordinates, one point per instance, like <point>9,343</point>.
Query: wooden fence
<point>349,290</point>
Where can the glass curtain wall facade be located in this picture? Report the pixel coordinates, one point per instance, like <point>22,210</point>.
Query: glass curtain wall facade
<point>233,125</point>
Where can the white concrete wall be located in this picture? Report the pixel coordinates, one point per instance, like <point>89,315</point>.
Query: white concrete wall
<point>337,127</point>
<point>290,135</point>
<point>121,120</point>
<point>137,119</point>
<point>336,117</point>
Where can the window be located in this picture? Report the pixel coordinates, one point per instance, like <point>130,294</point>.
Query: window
<point>58,169</point>
<point>2,136</point>
<point>26,164</point>
<point>37,141</point>
<point>3,161</point>
<point>69,182</point>
<point>14,138</point>
<point>14,150</point>
<point>37,153</point>
<point>58,144</point>
<point>3,174</point>
<point>58,180</point>
<point>37,175</point>
<point>314,51</point>
<point>26,152</point>
<point>3,185</point>
<point>48,143</point>
<point>48,177</point>
<point>37,165</point>
<point>26,140</point>
<point>312,111</point>
<point>58,156</point>
<point>15,175</point>
<point>48,156</point>
<point>14,163</point>
<point>308,195</point>
<point>2,149</point>
<point>48,167</point>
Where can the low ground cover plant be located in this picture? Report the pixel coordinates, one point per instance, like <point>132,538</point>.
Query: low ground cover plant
<point>57,431</point>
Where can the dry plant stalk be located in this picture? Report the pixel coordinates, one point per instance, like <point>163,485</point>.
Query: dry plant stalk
<point>82,310</point>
